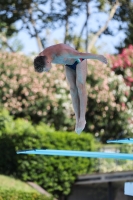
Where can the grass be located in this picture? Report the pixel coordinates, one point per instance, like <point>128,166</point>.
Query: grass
<point>7,182</point>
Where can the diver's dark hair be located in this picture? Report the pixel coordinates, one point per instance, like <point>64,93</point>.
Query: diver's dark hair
<point>39,63</point>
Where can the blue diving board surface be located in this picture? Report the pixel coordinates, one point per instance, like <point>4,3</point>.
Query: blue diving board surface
<point>85,154</point>
<point>123,141</point>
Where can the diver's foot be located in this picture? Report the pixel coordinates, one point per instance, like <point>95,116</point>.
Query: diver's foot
<point>80,126</point>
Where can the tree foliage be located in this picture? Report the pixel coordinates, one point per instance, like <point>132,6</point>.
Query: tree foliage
<point>124,17</point>
<point>38,16</point>
<point>10,12</point>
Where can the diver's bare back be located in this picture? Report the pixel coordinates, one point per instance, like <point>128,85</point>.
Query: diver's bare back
<point>60,53</point>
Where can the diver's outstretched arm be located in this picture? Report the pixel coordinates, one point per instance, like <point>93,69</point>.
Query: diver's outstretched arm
<point>75,54</point>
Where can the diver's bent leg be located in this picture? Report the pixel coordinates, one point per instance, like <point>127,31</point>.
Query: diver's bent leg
<point>83,103</point>
<point>75,102</point>
<point>71,79</point>
<point>81,73</point>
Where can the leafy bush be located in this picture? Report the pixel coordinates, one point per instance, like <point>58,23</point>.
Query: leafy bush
<point>54,173</point>
<point>19,195</point>
<point>6,122</point>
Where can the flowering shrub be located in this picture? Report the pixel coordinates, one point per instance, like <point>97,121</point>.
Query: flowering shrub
<point>38,96</point>
<point>123,64</point>
<point>46,97</point>
<point>106,115</point>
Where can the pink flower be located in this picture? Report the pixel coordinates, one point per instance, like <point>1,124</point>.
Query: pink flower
<point>115,65</point>
<point>124,52</point>
<point>130,47</point>
<point>123,106</point>
<point>130,79</point>
<point>127,62</point>
<point>126,93</point>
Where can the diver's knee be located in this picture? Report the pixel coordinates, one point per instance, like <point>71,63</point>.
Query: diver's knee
<point>80,85</point>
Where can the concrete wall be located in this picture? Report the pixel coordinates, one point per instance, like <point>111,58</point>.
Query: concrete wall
<point>99,192</point>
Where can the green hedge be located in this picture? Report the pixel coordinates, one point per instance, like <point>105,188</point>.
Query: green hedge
<point>55,174</point>
<point>19,195</point>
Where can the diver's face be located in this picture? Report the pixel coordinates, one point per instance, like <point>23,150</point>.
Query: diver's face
<point>47,67</point>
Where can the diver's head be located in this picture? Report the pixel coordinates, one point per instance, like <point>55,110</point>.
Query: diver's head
<point>41,64</point>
